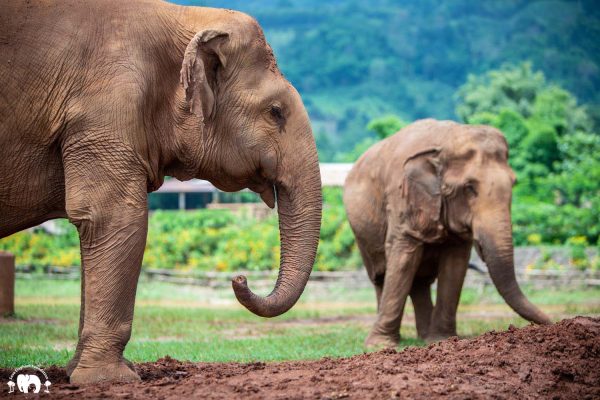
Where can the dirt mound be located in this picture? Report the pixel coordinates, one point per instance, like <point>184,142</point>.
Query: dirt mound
<point>561,361</point>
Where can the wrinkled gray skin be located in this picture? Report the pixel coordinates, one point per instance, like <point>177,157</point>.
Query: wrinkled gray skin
<point>100,100</point>
<point>417,202</point>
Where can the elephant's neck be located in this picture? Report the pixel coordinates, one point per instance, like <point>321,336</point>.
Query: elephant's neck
<point>185,142</point>
<point>189,146</point>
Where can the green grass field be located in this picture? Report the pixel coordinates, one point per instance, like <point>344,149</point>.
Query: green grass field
<point>197,324</point>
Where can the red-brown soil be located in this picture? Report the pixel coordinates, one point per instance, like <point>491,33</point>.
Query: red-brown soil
<point>561,361</point>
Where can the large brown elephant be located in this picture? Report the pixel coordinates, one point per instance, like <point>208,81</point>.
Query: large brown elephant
<point>417,202</point>
<point>100,100</point>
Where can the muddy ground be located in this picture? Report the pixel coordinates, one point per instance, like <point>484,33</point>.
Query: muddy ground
<point>561,361</point>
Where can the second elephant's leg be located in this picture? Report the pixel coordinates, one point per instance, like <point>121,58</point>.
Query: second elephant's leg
<point>453,264</point>
<point>378,285</point>
<point>403,258</point>
<point>420,295</point>
<point>373,255</point>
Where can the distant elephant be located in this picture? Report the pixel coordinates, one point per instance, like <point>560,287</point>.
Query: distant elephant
<point>417,202</point>
<point>101,99</point>
<point>26,380</point>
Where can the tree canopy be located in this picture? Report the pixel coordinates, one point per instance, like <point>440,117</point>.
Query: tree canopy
<point>354,61</point>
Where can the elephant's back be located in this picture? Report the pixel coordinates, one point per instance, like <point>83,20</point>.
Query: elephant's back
<point>58,56</point>
<point>430,131</point>
<point>38,42</point>
<point>368,157</point>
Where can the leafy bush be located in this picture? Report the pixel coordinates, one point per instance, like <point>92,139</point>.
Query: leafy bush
<point>553,150</point>
<point>546,261</point>
<point>208,240</point>
<point>577,246</point>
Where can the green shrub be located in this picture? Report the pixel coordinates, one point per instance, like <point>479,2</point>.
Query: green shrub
<point>208,240</point>
<point>577,246</point>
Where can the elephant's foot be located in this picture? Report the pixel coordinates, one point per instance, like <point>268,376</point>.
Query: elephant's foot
<point>115,372</point>
<point>382,341</point>
<point>72,364</point>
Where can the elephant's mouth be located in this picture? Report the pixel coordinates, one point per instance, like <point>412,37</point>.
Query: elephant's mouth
<point>259,184</point>
<point>269,195</point>
<point>266,190</point>
<point>479,250</point>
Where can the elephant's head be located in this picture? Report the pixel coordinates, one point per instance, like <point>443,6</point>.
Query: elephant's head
<point>250,129</point>
<point>465,183</point>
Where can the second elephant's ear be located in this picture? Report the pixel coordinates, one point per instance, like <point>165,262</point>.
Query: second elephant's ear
<point>421,191</point>
<point>198,93</point>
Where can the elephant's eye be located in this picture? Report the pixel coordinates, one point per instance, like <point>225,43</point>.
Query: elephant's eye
<point>471,190</point>
<point>277,115</point>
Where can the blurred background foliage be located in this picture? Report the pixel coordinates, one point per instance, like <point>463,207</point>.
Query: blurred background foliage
<point>554,150</point>
<point>353,61</point>
<point>204,240</point>
<point>365,69</point>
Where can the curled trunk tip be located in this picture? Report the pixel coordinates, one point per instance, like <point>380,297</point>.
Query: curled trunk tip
<point>242,292</point>
<point>263,307</point>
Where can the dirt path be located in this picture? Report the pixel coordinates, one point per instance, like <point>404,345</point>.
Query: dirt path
<point>561,361</point>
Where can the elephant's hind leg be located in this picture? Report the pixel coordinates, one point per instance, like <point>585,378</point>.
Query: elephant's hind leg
<point>420,294</point>
<point>373,257</point>
<point>364,210</point>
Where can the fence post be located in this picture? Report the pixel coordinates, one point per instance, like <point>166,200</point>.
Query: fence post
<point>7,284</point>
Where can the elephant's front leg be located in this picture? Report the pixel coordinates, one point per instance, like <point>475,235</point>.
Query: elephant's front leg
<point>453,264</point>
<point>111,216</point>
<point>112,257</point>
<point>402,258</point>
<point>75,360</point>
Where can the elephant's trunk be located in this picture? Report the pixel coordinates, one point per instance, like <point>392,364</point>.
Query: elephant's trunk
<point>299,208</point>
<point>496,248</point>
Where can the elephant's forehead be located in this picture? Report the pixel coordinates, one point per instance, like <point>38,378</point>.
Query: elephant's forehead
<point>487,137</point>
<point>473,143</point>
<point>264,86</point>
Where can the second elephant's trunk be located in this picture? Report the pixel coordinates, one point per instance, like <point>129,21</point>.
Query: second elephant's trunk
<point>496,247</point>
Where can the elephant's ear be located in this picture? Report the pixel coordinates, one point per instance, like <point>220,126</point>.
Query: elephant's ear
<point>198,93</point>
<point>421,191</point>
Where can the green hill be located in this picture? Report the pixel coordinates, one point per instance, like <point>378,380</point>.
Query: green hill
<point>354,60</point>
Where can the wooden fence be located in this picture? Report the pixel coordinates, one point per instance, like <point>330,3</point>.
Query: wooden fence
<point>348,279</point>
<point>526,261</point>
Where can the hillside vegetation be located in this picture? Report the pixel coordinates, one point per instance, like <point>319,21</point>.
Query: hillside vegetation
<point>353,61</point>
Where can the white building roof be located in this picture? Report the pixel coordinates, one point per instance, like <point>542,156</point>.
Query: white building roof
<point>334,174</point>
